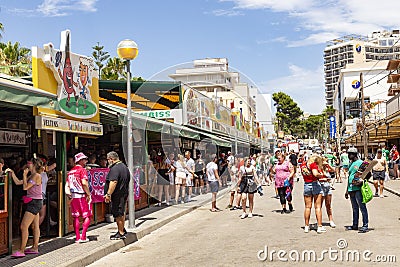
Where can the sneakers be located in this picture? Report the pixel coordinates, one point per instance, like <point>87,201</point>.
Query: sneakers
<point>381,196</point>
<point>352,228</point>
<point>363,230</point>
<point>250,215</point>
<point>117,236</point>
<point>376,194</point>
<point>243,215</point>
<point>321,230</point>
<point>332,224</point>
<point>83,240</point>
<point>306,229</point>
<point>182,202</point>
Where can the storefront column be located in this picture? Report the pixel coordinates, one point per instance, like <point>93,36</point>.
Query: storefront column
<point>61,150</point>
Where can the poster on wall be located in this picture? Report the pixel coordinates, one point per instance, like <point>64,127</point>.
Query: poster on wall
<point>97,181</point>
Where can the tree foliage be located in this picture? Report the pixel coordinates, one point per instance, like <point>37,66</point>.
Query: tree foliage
<point>14,59</point>
<point>288,113</point>
<point>99,56</point>
<point>115,70</point>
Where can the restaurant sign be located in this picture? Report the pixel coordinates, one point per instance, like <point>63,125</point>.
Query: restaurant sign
<point>71,126</point>
<point>12,138</point>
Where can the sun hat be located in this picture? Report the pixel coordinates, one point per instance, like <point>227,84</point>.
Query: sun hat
<point>352,150</point>
<point>79,157</point>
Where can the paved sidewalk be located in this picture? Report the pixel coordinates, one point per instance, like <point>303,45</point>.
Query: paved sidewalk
<point>65,252</point>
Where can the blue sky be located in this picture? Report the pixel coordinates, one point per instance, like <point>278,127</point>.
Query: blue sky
<point>278,44</point>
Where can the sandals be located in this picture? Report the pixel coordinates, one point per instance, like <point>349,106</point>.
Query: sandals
<point>30,251</point>
<point>214,210</point>
<point>18,254</point>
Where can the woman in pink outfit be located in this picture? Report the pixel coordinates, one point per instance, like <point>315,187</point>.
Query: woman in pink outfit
<point>34,200</point>
<point>284,173</point>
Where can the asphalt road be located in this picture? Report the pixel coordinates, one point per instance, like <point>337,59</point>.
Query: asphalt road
<point>203,238</point>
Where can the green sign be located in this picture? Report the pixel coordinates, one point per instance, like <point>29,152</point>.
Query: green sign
<point>158,114</point>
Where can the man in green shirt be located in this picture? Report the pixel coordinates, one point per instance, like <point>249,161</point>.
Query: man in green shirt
<point>355,193</point>
<point>385,153</point>
<point>344,162</point>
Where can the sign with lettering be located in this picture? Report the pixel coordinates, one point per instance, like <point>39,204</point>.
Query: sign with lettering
<point>71,126</point>
<point>12,138</point>
<point>158,114</point>
<point>97,180</point>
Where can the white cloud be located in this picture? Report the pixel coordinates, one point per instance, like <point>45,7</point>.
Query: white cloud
<point>304,86</point>
<point>226,13</point>
<point>59,8</point>
<point>326,20</point>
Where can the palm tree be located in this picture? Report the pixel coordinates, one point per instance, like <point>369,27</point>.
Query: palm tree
<point>1,30</point>
<point>114,70</point>
<point>14,59</point>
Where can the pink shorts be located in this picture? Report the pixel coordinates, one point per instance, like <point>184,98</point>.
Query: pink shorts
<point>80,208</point>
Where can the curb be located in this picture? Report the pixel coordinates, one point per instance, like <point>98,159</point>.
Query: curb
<point>394,192</point>
<point>136,235</point>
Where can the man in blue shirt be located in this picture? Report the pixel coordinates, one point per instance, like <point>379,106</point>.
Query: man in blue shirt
<point>354,192</point>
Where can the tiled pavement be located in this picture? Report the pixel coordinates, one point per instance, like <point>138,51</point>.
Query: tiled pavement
<point>65,252</point>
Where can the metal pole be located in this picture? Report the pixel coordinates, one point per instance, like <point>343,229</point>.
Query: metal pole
<point>364,132</point>
<point>131,202</point>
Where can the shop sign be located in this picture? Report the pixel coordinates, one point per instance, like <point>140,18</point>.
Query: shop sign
<point>157,114</point>
<point>71,126</point>
<point>12,138</point>
<point>75,75</point>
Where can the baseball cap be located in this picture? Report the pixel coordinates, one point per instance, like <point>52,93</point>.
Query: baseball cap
<point>79,157</point>
<point>352,150</point>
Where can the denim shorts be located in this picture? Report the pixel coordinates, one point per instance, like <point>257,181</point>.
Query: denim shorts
<point>326,188</point>
<point>312,189</point>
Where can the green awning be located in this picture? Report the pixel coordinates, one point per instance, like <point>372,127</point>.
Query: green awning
<point>146,123</point>
<point>22,94</point>
<point>218,141</point>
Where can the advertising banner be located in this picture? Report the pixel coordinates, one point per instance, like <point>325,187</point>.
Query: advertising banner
<point>97,181</point>
<point>332,127</point>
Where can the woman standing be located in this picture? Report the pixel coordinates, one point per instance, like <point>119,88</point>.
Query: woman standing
<point>312,192</point>
<point>33,185</point>
<point>284,173</point>
<point>163,181</point>
<point>326,190</point>
<point>247,186</point>
<point>180,178</point>
<point>378,172</point>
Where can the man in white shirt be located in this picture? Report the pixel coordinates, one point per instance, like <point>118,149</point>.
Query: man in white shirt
<point>213,179</point>
<point>190,167</point>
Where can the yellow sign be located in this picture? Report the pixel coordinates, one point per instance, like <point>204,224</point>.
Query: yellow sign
<point>71,76</point>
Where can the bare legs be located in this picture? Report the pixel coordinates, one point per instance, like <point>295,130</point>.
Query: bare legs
<point>27,220</point>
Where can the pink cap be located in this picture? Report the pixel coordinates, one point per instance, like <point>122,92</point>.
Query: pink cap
<point>80,156</point>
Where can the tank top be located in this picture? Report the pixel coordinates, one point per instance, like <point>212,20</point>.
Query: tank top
<point>35,192</point>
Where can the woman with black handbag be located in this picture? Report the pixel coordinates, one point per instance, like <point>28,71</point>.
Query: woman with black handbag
<point>247,186</point>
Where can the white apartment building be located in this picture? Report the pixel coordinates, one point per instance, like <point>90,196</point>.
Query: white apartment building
<point>357,49</point>
<point>212,77</point>
<point>347,100</point>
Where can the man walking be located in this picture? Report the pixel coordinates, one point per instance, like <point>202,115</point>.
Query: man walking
<point>116,189</point>
<point>213,179</point>
<point>77,189</point>
<point>190,168</point>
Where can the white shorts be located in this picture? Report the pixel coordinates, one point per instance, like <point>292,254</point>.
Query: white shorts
<point>189,181</point>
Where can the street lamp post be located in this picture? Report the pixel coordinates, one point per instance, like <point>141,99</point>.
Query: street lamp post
<point>128,50</point>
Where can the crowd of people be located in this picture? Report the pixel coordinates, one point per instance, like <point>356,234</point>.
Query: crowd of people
<point>174,179</point>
